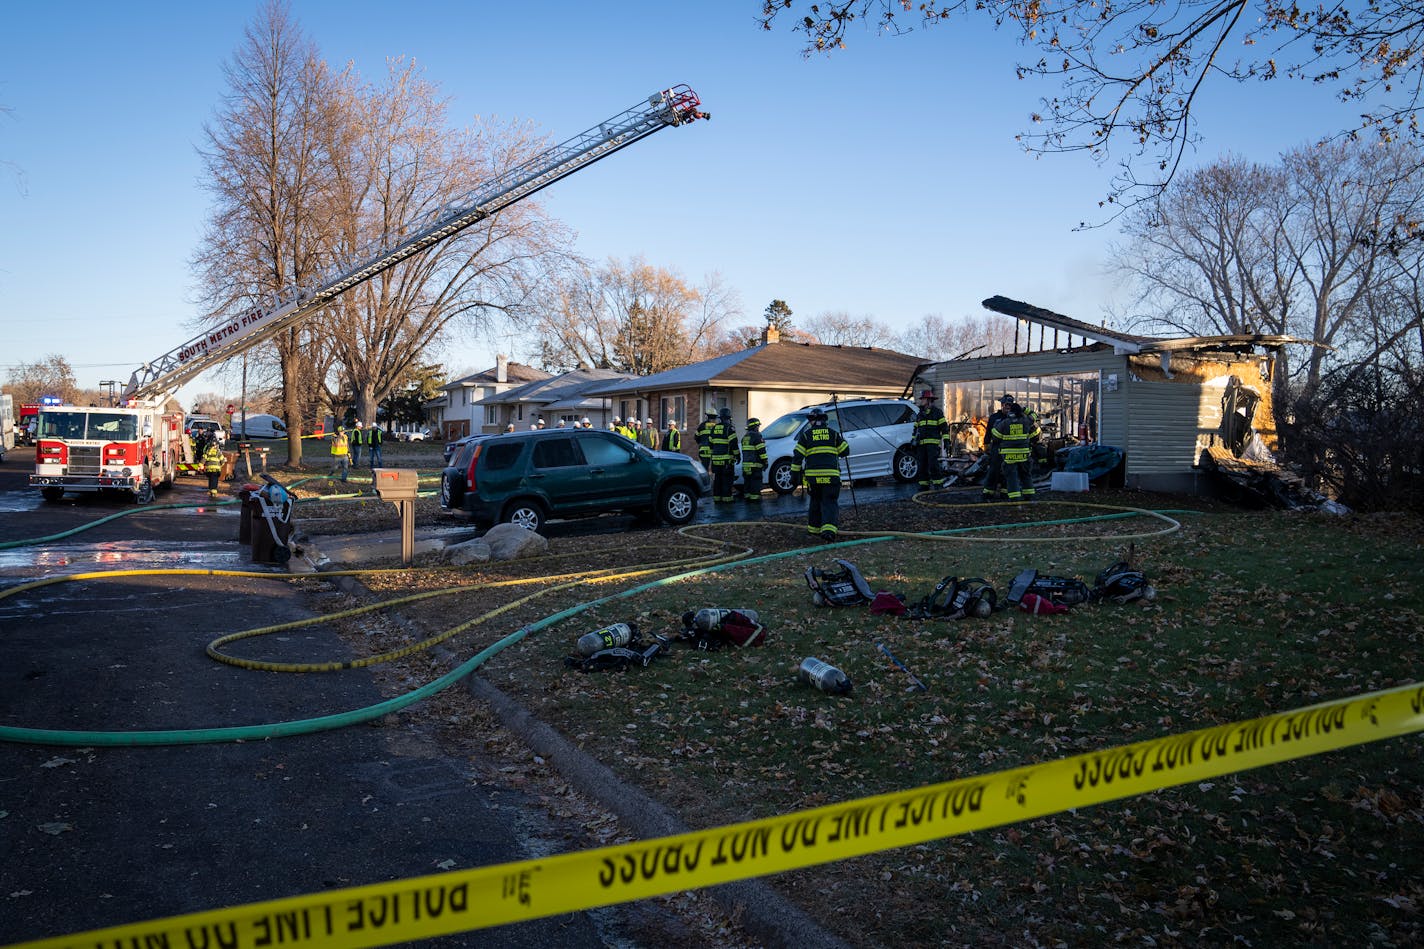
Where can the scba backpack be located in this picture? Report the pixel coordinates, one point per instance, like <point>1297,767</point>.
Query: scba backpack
<point>958,597</point>
<point>711,629</point>
<point>1059,591</point>
<point>1121,584</point>
<point>843,587</point>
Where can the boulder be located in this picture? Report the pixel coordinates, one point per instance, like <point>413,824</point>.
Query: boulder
<point>511,542</point>
<point>471,551</point>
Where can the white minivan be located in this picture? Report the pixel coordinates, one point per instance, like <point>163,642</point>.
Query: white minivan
<point>880,434</point>
<point>258,426</point>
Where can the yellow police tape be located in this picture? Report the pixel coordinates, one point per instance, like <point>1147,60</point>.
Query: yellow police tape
<point>422,907</point>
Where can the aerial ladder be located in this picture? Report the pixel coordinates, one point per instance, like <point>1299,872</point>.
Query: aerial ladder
<point>155,381</point>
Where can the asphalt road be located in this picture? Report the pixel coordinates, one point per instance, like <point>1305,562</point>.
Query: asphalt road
<point>96,836</point>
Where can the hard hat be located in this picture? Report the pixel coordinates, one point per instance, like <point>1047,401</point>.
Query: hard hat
<point>585,421</point>
<point>711,413</point>
<point>616,420</point>
<point>647,421</point>
<point>753,422</point>
<point>672,424</point>
<point>817,412</point>
<point>725,413</point>
<point>1006,398</point>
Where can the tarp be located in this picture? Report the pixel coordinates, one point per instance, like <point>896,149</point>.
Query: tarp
<point>1096,460</point>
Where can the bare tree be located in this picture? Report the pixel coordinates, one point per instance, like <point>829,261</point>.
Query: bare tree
<point>839,328</point>
<point>938,339</point>
<point>29,381</point>
<point>268,172</point>
<point>630,316</point>
<point>1242,248</point>
<point>397,167</point>
<point>1130,72</point>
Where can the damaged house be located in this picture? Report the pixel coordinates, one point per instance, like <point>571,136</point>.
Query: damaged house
<point>1182,411</point>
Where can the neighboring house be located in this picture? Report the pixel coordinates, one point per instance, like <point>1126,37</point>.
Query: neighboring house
<point>1166,403</point>
<point>565,397</point>
<point>764,382</point>
<point>466,409</point>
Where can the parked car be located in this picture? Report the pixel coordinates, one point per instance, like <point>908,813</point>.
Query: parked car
<point>453,448</point>
<point>878,431</point>
<point>259,426</point>
<point>525,478</point>
<point>416,436</point>
<point>196,423</point>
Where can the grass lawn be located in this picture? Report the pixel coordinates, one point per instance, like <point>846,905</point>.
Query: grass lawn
<point>1256,612</point>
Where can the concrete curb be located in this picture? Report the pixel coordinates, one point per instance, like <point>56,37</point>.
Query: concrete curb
<point>758,909</point>
<point>762,912</point>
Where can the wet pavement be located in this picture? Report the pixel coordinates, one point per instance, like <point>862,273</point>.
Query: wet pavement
<point>97,833</point>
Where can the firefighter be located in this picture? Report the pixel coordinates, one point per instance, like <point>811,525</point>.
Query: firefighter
<point>1014,433</point>
<point>648,435</point>
<point>724,451</point>
<point>672,441</point>
<point>212,465</point>
<point>374,438</point>
<point>816,465</point>
<point>930,431</point>
<point>994,489</point>
<point>753,460</point>
<point>703,434</point>
<point>340,451</point>
<point>356,439</point>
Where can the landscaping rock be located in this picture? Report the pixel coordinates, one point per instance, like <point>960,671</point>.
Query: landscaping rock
<point>510,542</point>
<point>471,551</point>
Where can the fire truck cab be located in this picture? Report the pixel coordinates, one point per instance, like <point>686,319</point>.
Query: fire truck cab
<point>133,449</point>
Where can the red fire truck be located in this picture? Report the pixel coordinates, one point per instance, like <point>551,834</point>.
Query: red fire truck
<point>131,449</point>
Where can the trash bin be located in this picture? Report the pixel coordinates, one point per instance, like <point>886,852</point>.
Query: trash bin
<point>248,496</point>
<point>272,526</point>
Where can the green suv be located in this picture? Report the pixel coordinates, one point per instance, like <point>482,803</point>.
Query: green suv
<point>525,478</point>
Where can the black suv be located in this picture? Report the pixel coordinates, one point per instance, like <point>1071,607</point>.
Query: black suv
<point>526,478</point>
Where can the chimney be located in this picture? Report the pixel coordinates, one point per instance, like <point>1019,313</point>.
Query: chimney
<point>501,368</point>
<point>770,335</point>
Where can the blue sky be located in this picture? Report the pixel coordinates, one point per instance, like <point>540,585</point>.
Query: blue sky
<point>883,181</point>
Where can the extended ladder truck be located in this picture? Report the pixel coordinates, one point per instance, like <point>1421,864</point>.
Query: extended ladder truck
<point>135,447</point>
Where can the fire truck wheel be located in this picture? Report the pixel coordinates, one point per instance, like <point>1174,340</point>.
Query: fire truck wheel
<point>52,493</point>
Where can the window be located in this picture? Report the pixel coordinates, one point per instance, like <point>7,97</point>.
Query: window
<point>598,450</point>
<point>555,453</point>
<point>674,410</point>
<point>500,456</point>
<point>858,417</point>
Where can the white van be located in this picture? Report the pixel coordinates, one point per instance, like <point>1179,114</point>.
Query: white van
<point>258,426</point>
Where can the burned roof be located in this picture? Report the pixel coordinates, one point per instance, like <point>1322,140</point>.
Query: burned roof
<point>1124,342</point>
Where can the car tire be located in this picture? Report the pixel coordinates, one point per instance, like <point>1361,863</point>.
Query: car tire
<point>452,497</point>
<point>677,504</point>
<point>780,477</point>
<point>907,466</point>
<point>526,512</point>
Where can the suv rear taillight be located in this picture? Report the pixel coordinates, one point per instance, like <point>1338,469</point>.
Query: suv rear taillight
<point>470,472</point>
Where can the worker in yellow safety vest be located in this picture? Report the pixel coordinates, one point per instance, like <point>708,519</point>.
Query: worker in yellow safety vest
<point>212,465</point>
<point>340,452</point>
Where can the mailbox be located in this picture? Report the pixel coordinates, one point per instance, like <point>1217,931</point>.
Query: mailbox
<point>395,484</point>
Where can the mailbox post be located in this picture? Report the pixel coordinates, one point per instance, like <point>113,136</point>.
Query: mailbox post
<point>400,485</point>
